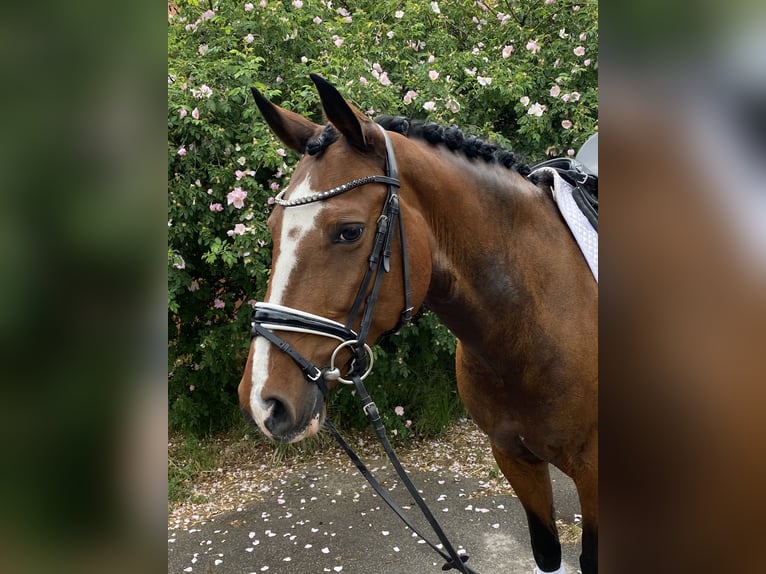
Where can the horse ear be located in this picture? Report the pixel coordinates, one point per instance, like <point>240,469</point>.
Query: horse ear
<point>293,129</point>
<point>345,117</point>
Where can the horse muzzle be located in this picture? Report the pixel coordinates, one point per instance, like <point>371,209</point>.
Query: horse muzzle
<point>286,410</point>
<point>288,420</point>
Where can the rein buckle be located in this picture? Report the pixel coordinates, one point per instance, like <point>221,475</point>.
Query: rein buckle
<point>371,410</point>
<point>316,375</point>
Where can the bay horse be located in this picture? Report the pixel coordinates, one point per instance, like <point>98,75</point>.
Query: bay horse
<point>485,249</point>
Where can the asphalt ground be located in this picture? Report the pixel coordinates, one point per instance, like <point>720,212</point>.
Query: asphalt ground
<point>331,521</point>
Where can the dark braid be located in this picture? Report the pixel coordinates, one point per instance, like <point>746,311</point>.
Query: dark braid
<point>317,145</point>
<point>452,137</point>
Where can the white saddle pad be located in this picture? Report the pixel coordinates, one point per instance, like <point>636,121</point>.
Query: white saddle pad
<point>584,234</point>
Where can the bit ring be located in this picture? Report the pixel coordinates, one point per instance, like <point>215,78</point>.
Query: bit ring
<point>333,369</point>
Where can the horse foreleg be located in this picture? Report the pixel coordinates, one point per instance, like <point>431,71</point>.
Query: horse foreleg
<point>586,479</point>
<point>531,481</point>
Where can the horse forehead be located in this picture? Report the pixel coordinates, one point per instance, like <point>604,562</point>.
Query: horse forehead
<point>296,224</point>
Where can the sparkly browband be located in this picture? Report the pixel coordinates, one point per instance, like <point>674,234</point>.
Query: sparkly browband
<point>335,191</point>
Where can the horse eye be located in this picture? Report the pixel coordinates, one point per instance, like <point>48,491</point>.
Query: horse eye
<point>350,234</point>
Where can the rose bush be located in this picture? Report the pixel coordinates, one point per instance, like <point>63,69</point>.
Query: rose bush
<point>523,74</point>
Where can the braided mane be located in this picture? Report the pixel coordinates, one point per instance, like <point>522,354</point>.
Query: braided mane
<point>451,137</point>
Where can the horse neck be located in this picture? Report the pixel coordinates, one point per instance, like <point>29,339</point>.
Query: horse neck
<point>500,250</point>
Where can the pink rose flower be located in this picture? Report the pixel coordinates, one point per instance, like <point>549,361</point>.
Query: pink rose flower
<point>536,109</point>
<point>533,46</point>
<point>236,197</point>
<point>179,262</point>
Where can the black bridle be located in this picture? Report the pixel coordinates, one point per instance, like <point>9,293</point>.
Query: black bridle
<point>268,318</point>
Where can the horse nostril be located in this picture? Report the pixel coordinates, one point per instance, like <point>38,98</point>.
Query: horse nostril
<point>280,423</point>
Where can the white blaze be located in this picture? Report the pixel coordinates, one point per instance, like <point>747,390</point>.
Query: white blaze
<point>297,222</point>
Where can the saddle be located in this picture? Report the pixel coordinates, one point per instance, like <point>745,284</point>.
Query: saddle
<point>581,173</point>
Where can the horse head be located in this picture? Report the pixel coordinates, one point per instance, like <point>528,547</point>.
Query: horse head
<point>326,229</point>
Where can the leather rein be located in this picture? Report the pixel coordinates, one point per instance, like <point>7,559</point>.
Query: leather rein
<point>269,317</point>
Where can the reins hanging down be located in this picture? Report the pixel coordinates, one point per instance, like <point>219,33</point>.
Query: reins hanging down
<point>269,318</point>
<point>452,559</point>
